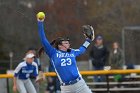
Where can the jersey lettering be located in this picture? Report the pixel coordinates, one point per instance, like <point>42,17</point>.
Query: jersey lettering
<point>60,55</point>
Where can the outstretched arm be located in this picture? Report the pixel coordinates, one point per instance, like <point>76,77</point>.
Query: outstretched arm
<point>83,48</point>
<point>88,32</point>
<point>48,48</point>
<point>14,85</point>
<point>16,73</point>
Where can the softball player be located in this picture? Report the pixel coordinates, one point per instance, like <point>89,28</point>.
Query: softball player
<point>22,83</point>
<point>37,61</point>
<point>64,61</point>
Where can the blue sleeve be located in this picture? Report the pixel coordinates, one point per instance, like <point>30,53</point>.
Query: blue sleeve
<point>48,48</point>
<point>35,73</point>
<point>83,48</point>
<point>17,70</point>
<point>15,74</point>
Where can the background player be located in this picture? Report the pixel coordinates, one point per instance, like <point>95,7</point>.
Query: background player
<point>37,61</point>
<point>22,82</point>
<point>64,60</point>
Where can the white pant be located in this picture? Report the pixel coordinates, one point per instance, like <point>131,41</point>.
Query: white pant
<point>36,85</point>
<point>25,86</point>
<point>79,87</point>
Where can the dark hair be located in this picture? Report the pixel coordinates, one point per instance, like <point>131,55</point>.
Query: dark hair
<point>54,43</point>
<point>34,50</point>
<point>59,40</point>
<point>40,51</point>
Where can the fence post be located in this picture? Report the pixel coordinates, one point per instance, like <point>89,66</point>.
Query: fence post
<point>107,83</point>
<point>7,81</point>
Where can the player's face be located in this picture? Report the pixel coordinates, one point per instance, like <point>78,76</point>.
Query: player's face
<point>30,60</point>
<point>99,41</point>
<point>65,45</point>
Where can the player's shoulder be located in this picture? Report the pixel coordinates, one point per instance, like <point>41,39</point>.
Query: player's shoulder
<point>23,63</point>
<point>34,63</point>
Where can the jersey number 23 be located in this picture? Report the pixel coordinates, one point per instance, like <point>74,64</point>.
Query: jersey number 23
<point>65,62</point>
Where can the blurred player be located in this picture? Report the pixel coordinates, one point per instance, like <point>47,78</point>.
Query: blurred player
<point>37,61</point>
<point>22,82</point>
<point>63,59</point>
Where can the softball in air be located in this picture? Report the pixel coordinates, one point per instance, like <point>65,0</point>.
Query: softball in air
<point>41,16</point>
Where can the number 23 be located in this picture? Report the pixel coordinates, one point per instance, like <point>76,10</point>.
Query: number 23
<point>65,62</point>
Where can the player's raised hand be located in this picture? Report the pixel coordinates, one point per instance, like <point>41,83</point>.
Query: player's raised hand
<point>40,16</point>
<point>88,32</point>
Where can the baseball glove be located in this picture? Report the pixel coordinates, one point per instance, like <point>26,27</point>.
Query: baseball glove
<point>88,31</point>
<point>40,77</point>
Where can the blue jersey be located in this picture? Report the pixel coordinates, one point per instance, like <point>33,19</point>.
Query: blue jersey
<point>24,70</point>
<point>37,61</point>
<point>63,62</point>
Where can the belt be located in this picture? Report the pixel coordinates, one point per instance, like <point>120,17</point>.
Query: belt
<point>71,82</point>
